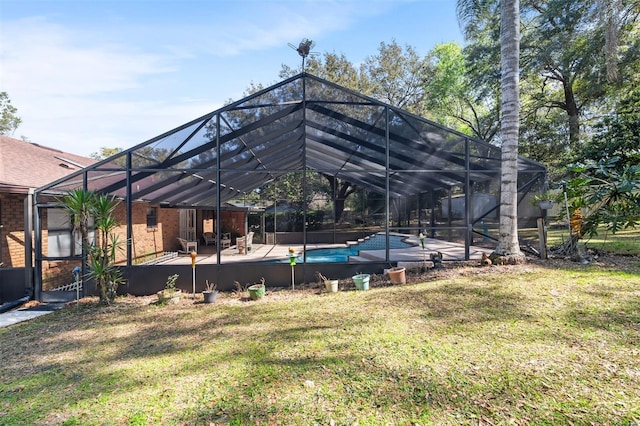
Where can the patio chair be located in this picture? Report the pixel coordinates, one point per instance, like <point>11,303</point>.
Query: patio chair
<point>208,238</point>
<point>188,246</point>
<point>225,241</point>
<point>244,243</point>
<point>249,241</point>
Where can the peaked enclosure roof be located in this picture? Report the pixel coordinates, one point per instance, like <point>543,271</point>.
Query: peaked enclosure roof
<point>302,123</point>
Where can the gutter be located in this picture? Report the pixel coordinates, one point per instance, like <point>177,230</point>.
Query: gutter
<point>13,304</point>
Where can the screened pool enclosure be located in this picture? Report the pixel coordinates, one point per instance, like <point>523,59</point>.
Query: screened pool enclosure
<point>302,163</point>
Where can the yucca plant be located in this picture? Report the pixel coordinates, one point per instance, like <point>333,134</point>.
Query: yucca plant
<point>84,206</point>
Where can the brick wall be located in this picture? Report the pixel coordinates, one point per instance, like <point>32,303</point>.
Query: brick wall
<point>150,242</point>
<point>233,222</point>
<point>55,274</point>
<point>12,241</point>
<point>147,242</point>
<point>12,231</point>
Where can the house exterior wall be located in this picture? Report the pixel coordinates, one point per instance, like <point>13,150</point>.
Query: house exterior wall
<point>12,231</point>
<point>12,241</point>
<point>233,222</point>
<point>149,242</point>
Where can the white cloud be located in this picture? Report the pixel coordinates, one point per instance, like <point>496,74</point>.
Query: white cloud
<point>42,58</point>
<point>75,95</point>
<point>126,79</point>
<point>84,125</point>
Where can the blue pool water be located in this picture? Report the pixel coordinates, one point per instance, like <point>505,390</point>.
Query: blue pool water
<point>341,254</point>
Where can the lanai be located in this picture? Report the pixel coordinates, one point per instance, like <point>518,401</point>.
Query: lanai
<point>308,125</point>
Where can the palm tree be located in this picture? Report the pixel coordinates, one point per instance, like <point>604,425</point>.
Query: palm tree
<point>508,245</point>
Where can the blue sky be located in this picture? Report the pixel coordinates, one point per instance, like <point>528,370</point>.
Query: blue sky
<point>87,74</point>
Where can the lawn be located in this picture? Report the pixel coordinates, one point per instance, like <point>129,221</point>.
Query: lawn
<point>626,241</point>
<point>545,343</point>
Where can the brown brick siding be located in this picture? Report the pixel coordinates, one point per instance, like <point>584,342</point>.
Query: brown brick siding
<point>150,242</point>
<point>55,274</point>
<point>233,222</point>
<point>12,231</point>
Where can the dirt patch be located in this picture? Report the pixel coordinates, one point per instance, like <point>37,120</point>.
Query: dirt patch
<point>30,304</point>
<point>451,270</point>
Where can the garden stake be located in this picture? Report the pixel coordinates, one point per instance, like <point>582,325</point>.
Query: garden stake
<point>193,267</point>
<point>292,262</point>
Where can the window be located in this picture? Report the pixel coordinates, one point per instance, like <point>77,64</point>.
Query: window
<point>59,241</point>
<point>152,218</point>
<point>62,241</point>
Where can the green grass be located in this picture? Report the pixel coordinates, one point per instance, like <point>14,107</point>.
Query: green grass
<point>624,242</point>
<point>546,343</point>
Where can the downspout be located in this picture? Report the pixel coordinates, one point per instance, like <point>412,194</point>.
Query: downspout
<point>37,227</point>
<point>1,234</point>
<point>28,247</point>
<point>13,304</point>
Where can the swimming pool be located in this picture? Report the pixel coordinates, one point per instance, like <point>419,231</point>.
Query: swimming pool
<point>341,254</point>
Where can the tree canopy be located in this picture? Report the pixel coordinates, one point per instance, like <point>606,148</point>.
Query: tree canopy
<point>9,120</point>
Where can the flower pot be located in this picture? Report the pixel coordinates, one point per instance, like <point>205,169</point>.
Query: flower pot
<point>547,204</point>
<point>209,296</point>
<point>171,297</point>
<point>331,286</point>
<point>397,275</point>
<point>256,291</point>
<point>361,281</point>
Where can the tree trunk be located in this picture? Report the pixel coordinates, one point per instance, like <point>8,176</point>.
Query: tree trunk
<point>572,113</point>
<point>340,190</point>
<point>338,208</point>
<point>508,247</point>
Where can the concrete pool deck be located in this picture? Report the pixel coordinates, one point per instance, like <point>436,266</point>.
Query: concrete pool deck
<point>262,252</point>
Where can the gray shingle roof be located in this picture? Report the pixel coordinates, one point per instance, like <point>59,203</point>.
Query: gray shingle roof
<point>25,165</point>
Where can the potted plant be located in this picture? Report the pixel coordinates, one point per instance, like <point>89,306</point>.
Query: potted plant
<point>545,201</point>
<point>397,275</point>
<point>256,291</point>
<point>210,293</point>
<point>361,281</point>
<point>330,285</point>
<point>170,294</point>
<point>547,204</point>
